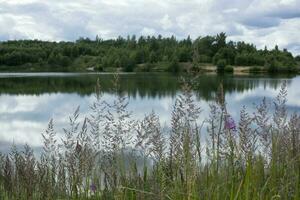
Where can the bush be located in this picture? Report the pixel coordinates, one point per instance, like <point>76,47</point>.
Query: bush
<point>99,68</point>
<point>249,59</point>
<point>147,67</point>
<point>255,69</point>
<point>129,68</point>
<point>174,66</point>
<point>229,68</point>
<point>221,64</point>
<point>204,59</point>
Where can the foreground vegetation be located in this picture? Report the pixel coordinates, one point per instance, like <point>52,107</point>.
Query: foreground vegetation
<point>110,156</point>
<point>143,54</point>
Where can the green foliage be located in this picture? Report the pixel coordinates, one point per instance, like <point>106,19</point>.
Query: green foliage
<point>128,52</point>
<point>204,49</point>
<point>229,68</point>
<point>256,69</point>
<point>221,64</point>
<point>174,66</point>
<point>225,53</point>
<point>153,57</point>
<point>249,59</point>
<point>146,67</point>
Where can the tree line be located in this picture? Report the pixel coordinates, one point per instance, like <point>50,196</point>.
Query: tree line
<point>143,53</point>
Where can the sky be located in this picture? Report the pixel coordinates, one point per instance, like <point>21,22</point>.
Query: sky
<point>261,22</point>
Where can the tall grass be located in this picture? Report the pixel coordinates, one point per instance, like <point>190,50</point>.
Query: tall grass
<point>110,156</point>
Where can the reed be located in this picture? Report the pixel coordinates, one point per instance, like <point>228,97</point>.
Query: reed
<point>108,155</point>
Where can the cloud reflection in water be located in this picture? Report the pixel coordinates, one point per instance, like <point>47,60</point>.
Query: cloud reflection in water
<point>24,117</point>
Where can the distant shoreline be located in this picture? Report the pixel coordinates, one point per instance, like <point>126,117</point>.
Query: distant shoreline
<point>145,54</point>
<point>159,67</point>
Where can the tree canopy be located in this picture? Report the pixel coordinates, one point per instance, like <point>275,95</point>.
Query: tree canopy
<point>144,52</point>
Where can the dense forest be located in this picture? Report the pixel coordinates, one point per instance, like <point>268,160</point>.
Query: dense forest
<point>142,54</point>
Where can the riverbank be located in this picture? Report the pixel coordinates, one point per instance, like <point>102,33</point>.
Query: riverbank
<point>150,67</point>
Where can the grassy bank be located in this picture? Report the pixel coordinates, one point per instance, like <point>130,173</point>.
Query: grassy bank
<point>108,155</point>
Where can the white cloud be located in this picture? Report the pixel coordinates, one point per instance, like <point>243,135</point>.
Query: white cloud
<point>18,135</point>
<point>166,22</point>
<point>231,10</point>
<point>14,2</point>
<point>147,31</point>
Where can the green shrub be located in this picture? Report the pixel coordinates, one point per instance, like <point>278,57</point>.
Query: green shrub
<point>272,68</point>
<point>221,64</point>
<point>129,68</point>
<point>147,67</point>
<point>99,68</point>
<point>255,69</point>
<point>228,68</point>
<point>174,66</point>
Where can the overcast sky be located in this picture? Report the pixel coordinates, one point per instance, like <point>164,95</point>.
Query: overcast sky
<point>262,22</point>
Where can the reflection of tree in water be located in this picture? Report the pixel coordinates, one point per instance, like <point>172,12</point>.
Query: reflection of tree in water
<point>143,85</point>
<point>135,85</point>
<point>207,86</point>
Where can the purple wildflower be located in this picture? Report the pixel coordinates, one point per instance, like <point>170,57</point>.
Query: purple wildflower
<point>93,187</point>
<point>229,123</point>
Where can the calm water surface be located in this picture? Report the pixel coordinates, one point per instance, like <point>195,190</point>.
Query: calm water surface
<point>28,101</point>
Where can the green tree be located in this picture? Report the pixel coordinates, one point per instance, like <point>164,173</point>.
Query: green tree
<point>174,66</point>
<point>153,57</point>
<point>221,64</point>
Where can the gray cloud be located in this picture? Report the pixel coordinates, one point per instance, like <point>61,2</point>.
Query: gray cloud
<point>270,14</point>
<point>261,22</point>
<point>267,22</point>
<point>286,12</point>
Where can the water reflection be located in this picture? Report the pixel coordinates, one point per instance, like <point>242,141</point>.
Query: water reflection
<point>27,103</point>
